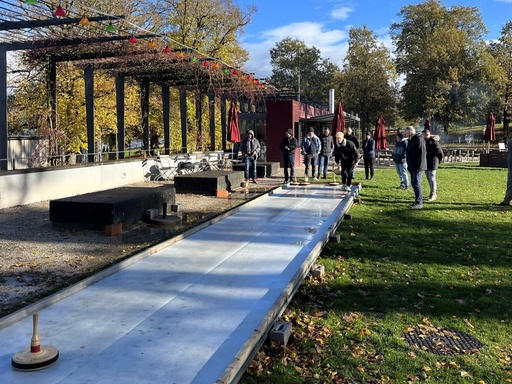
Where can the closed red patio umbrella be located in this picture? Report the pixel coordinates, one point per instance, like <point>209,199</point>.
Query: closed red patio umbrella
<point>490,130</point>
<point>338,121</point>
<point>233,128</point>
<point>380,134</point>
<point>427,124</point>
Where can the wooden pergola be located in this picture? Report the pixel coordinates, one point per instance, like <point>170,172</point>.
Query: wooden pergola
<point>118,55</point>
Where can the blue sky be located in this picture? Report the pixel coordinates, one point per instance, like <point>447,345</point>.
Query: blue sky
<point>325,24</point>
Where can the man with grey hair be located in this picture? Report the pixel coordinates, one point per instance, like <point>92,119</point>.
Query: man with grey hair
<point>416,156</point>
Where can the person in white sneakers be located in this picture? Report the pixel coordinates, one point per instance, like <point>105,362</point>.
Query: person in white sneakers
<point>310,148</point>
<point>434,156</point>
<point>346,156</point>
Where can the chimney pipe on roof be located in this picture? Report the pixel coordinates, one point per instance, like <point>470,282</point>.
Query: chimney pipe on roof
<point>331,100</point>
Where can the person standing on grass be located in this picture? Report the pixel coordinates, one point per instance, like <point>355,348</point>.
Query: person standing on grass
<point>508,193</point>
<point>250,148</point>
<point>288,146</point>
<point>351,137</point>
<point>310,148</point>
<point>434,156</point>
<point>345,155</point>
<point>369,155</point>
<point>416,156</point>
<point>400,162</point>
<point>327,146</point>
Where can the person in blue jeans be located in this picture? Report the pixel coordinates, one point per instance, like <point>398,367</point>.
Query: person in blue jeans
<point>310,148</point>
<point>288,145</point>
<point>416,156</point>
<point>326,148</point>
<point>250,148</point>
<point>369,156</point>
<point>400,161</point>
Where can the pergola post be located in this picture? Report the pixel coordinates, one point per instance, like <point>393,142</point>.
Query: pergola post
<point>183,115</point>
<point>211,115</point>
<point>120,109</point>
<point>166,110</point>
<point>89,111</point>
<point>3,110</point>
<point>144,103</point>
<point>199,119</point>
<point>223,121</point>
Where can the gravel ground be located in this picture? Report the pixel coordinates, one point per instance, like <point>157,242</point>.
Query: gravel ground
<point>38,258</point>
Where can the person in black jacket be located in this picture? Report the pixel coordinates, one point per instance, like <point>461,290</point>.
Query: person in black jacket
<point>369,155</point>
<point>416,156</point>
<point>350,136</point>
<point>327,145</point>
<point>400,162</point>
<point>346,156</point>
<point>434,156</point>
<point>288,146</point>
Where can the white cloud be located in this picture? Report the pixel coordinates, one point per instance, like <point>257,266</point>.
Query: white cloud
<point>341,13</point>
<point>331,43</point>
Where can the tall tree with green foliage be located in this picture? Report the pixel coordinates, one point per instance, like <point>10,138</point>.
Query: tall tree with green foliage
<point>447,66</point>
<point>211,26</point>
<point>368,83</point>
<point>502,52</point>
<point>301,69</point>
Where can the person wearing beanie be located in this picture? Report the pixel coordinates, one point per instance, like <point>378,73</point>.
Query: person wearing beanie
<point>400,161</point>
<point>327,146</point>
<point>250,148</point>
<point>310,148</point>
<point>288,145</point>
<point>434,156</point>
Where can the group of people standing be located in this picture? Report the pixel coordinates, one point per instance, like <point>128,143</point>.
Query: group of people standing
<point>415,153</point>
<point>318,151</point>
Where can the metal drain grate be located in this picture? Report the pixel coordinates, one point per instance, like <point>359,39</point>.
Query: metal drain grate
<point>443,341</point>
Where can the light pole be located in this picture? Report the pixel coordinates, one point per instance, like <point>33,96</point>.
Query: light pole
<point>298,79</point>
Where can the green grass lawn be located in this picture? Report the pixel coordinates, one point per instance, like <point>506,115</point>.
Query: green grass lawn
<point>397,271</point>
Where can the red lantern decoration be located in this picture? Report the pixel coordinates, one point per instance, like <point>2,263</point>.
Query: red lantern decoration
<point>60,12</point>
<point>167,50</point>
<point>132,39</point>
<point>235,72</point>
<point>206,64</point>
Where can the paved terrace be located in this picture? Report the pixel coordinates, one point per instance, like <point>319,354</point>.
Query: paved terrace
<point>187,311</point>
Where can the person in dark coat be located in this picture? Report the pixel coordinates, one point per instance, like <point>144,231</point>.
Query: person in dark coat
<point>416,156</point>
<point>288,145</point>
<point>349,135</point>
<point>327,145</point>
<point>400,162</point>
<point>434,156</point>
<point>250,148</point>
<point>369,155</point>
<point>346,156</point>
<point>310,148</point>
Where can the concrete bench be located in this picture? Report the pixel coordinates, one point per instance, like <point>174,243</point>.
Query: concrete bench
<point>263,169</point>
<point>208,182</point>
<point>97,210</point>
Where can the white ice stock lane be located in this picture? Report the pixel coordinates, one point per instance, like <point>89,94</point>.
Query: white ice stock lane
<point>193,310</point>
